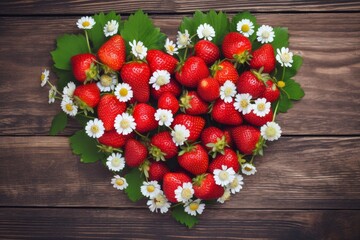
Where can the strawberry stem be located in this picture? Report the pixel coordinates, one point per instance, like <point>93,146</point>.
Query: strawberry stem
<point>87,41</point>
<point>283,74</point>
<point>275,111</point>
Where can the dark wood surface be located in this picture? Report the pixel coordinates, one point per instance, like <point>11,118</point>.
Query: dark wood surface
<point>307,185</point>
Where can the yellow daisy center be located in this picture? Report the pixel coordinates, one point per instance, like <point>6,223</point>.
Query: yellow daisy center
<point>171,48</point>
<point>69,107</point>
<point>115,162</point>
<point>150,188</point>
<point>42,77</point>
<point>159,200</point>
<point>110,28</point>
<point>138,48</point>
<point>234,183</point>
<point>124,123</point>
<point>186,193</point>
<point>228,91</point>
<point>123,92</point>
<point>270,132</point>
<point>245,28</point>
<point>265,34</point>
<point>281,84</point>
<point>94,129</point>
<point>86,24</point>
<point>163,117</point>
<point>194,206</point>
<point>106,80</point>
<point>244,103</point>
<point>206,32</point>
<point>223,175</point>
<point>261,106</point>
<point>161,80</point>
<point>119,182</point>
<point>247,168</point>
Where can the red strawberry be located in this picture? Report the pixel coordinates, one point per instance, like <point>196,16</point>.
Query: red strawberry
<point>87,96</point>
<point>192,71</point>
<point>135,153</point>
<point>251,82</point>
<point>224,71</point>
<point>162,146</point>
<point>112,52</point>
<point>272,92</point>
<point>209,89</point>
<point>236,46</point>
<point>113,139</point>
<point>144,117</point>
<point>158,60</point>
<point>207,50</point>
<point>108,108</point>
<point>226,113</point>
<point>84,67</point>
<point>171,182</point>
<point>194,124</point>
<point>194,159</point>
<point>229,159</point>
<point>255,120</point>
<point>173,87</point>
<point>205,187</point>
<point>245,138</point>
<point>264,57</point>
<point>168,101</point>
<point>192,104</point>
<point>157,170</point>
<point>137,75</point>
<point>214,140</point>
<point>228,137</point>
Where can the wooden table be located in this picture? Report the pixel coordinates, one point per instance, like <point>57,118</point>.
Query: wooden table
<point>307,185</point>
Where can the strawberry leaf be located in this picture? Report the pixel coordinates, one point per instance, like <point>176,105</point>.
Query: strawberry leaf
<point>135,180</point>
<point>244,15</point>
<point>182,217</point>
<point>284,102</point>
<point>85,147</point>
<point>58,123</point>
<point>293,89</point>
<point>191,24</point>
<point>281,38</point>
<point>220,23</point>
<point>64,77</point>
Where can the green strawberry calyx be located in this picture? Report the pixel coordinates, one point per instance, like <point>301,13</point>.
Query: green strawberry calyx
<point>82,105</point>
<point>185,101</point>
<point>243,57</point>
<point>92,73</point>
<point>263,77</point>
<point>218,146</point>
<point>198,179</point>
<point>156,153</point>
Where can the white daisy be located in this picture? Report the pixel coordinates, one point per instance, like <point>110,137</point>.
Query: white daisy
<point>95,128</point>
<point>184,193</point>
<point>115,162</point>
<point>195,207</point>
<point>85,23</point>
<point>261,107</point>
<point>245,27</point>
<point>69,89</point>
<point>119,182</point>
<point>170,47</point>
<point>138,49</point>
<point>159,202</point>
<point>111,28</point>
<point>227,91</point>
<point>68,106</point>
<point>150,189</point>
<point>225,196</point>
<point>124,123</point>
<point>248,169</point>
<point>236,185</point>
<point>265,34</point>
<point>107,83</point>
<point>183,39</point>
<point>159,78</point>
<point>123,92</point>
<point>242,103</point>
<point>44,77</point>
<point>52,94</point>
<point>180,134</point>
<point>284,57</point>
<point>205,31</point>
<point>224,176</point>
<point>271,131</point>
<point>164,117</point>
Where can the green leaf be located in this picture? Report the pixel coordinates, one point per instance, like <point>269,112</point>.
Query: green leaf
<point>68,45</point>
<point>191,24</point>
<point>58,123</point>
<point>293,89</point>
<point>181,216</point>
<point>135,180</point>
<point>289,71</point>
<point>220,23</point>
<point>244,15</point>
<point>285,103</point>
<point>64,77</point>
<point>281,38</point>
<point>85,147</point>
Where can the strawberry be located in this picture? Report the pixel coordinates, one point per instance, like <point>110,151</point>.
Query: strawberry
<point>158,60</point>
<point>192,104</point>
<point>113,139</point>
<point>137,75</point>
<point>209,89</point>
<point>168,101</point>
<point>229,159</point>
<point>173,87</point>
<point>192,71</point>
<point>171,182</point>
<point>263,57</point>
<point>112,52</point>
<point>144,117</point>
<point>271,93</point>
<point>108,108</point>
<point>214,140</point>
<point>157,170</point>
<point>87,96</point>
<point>224,71</point>
<point>236,46</point>
<point>255,120</point>
<point>251,82</point>
<point>194,124</point>
<point>207,50</point>
<point>84,67</point>
<point>226,113</point>
<point>162,146</point>
<point>246,138</point>
<point>228,138</point>
<point>135,153</point>
<point>194,159</point>
<point>205,187</point>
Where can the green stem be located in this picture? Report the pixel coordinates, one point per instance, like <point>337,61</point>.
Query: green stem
<point>175,205</point>
<point>252,159</point>
<point>87,41</point>
<point>283,74</point>
<point>90,117</point>
<point>275,111</point>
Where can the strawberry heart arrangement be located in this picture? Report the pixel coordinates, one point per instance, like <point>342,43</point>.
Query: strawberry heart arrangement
<point>177,122</point>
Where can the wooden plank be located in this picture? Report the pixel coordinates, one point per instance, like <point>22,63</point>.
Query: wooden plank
<point>295,173</point>
<point>332,94</point>
<point>140,224</point>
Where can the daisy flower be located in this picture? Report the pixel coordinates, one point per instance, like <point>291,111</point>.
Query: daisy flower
<point>111,28</point>
<point>170,47</point>
<point>124,123</point>
<point>242,103</point>
<point>44,77</point>
<point>245,27</point>
<point>119,182</point>
<point>236,185</point>
<point>265,34</point>
<point>68,106</point>
<point>225,196</point>
<point>248,169</point>
<point>123,92</point>
<point>195,207</point>
<point>107,82</point>
<point>224,176</point>
<point>205,31</point>
<point>52,94</point>
<point>95,128</point>
<point>227,91</point>
<point>284,57</point>
<point>261,107</point>
<point>69,89</point>
<point>159,78</point>
<point>115,162</point>
<point>85,23</point>
<point>184,193</point>
<point>138,49</point>
<point>164,117</point>
<point>271,131</point>
<point>150,189</point>
<point>183,39</point>
<point>180,134</point>
<point>159,202</point>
